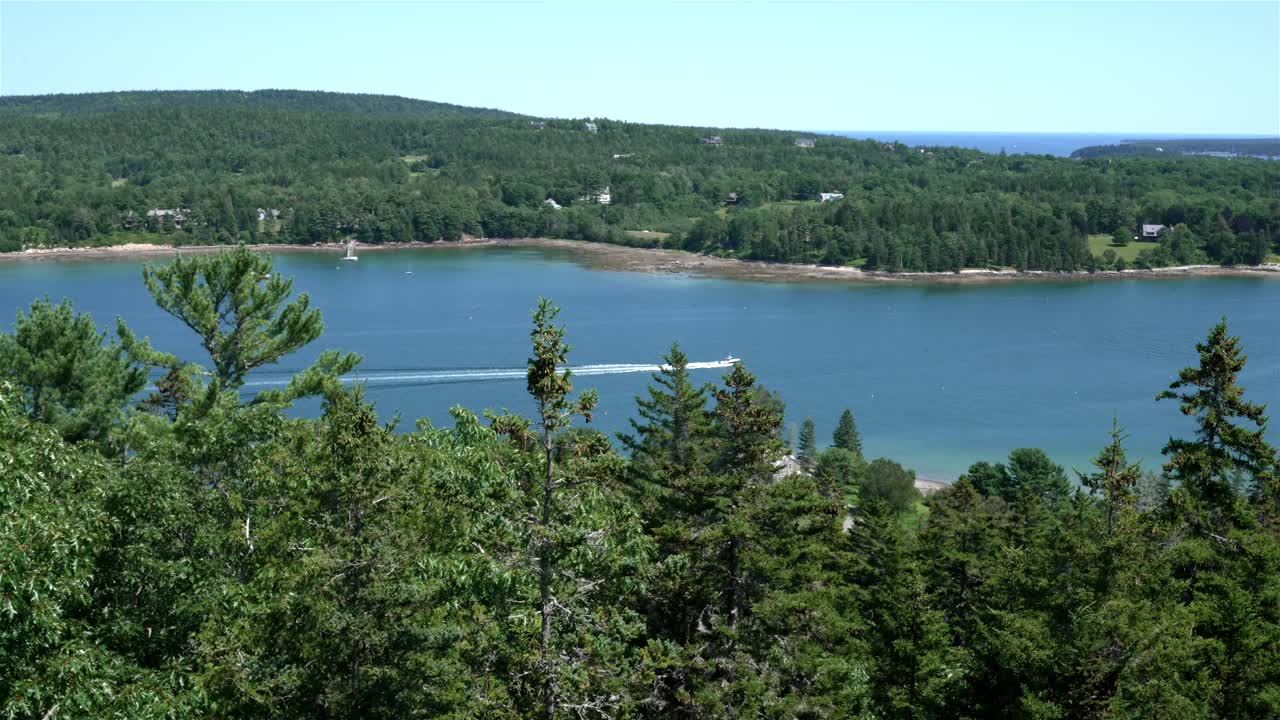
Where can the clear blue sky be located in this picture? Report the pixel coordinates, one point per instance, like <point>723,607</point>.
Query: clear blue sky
<point>1156,67</point>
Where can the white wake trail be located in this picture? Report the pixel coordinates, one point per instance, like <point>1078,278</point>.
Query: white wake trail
<point>431,377</point>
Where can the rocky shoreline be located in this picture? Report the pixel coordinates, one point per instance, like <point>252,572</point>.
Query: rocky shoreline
<point>621,258</point>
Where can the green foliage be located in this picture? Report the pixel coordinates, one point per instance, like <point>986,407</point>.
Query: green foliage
<point>846,435</point>
<point>807,452</point>
<point>67,375</point>
<point>237,306</point>
<point>672,432</point>
<point>237,562</point>
<point>888,483</point>
<point>1029,474</point>
<point>844,470</point>
<point>84,170</point>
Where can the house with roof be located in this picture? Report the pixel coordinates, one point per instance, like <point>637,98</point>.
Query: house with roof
<point>537,124</point>
<point>712,140</point>
<point>806,142</point>
<point>604,197</point>
<point>551,202</point>
<point>1153,232</point>
<point>590,127</point>
<point>830,197</point>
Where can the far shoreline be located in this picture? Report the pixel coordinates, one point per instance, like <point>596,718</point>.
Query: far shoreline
<point>603,256</point>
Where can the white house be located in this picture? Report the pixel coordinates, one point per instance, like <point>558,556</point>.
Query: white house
<point>1153,232</point>
<point>551,201</point>
<point>590,127</point>
<point>830,197</point>
<point>806,142</point>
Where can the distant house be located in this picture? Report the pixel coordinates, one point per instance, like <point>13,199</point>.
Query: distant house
<point>733,199</point>
<point>889,147</point>
<point>713,140</point>
<point>786,466</point>
<point>620,156</point>
<point>805,142</point>
<point>177,215</point>
<point>1153,232</point>
<point>551,201</point>
<point>590,127</point>
<point>538,124</point>
<point>264,213</point>
<point>830,197</point>
<point>604,197</point>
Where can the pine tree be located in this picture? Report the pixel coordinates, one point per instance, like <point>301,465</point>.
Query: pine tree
<point>913,671</point>
<point>846,435</point>
<point>239,307</point>
<point>550,386</point>
<point>1207,466</point>
<point>673,432</point>
<point>68,375</point>
<point>1116,480</point>
<point>808,450</point>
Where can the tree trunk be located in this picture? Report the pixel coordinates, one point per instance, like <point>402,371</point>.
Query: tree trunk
<point>544,572</point>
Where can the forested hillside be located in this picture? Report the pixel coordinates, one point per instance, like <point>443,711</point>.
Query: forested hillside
<point>300,167</point>
<point>192,550</point>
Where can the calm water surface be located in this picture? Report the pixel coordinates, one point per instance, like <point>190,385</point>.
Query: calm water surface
<point>938,377</point>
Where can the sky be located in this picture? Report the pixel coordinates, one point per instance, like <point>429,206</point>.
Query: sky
<point>1103,67</point>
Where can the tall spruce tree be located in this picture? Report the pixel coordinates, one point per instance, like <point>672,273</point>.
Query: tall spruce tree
<point>550,384</point>
<point>674,428</point>
<point>1224,447</point>
<point>846,435</point>
<point>807,452</point>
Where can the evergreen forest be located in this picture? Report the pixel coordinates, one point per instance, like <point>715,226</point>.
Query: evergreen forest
<point>175,546</point>
<point>279,166</point>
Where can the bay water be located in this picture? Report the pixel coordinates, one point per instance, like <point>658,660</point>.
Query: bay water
<point>938,376</point>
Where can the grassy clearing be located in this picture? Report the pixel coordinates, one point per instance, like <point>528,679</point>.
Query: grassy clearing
<point>1273,258</point>
<point>1098,244</point>
<point>414,158</point>
<point>119,182</point>
<point>789,204</point>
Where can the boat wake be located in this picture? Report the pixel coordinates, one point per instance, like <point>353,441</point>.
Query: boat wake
<point>405,377</point>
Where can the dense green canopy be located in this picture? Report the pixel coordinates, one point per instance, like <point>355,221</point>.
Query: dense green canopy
<point>236,561</point>
<point>302,167</point>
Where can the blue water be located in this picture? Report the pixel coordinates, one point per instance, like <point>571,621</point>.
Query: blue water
<point>1061,144</point>
<point>938,376</point>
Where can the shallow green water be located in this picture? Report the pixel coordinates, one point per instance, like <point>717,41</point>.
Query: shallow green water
<point>938,376</point>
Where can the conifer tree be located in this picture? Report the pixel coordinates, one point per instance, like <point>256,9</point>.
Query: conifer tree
<point>846,435</point>
<point>550,386</point>
<point>1224,446</point>
<point>1116,480</point>
<point>240,309</point>
<point>807,453</point>
<point>68,375</point>
<point>673,431</point>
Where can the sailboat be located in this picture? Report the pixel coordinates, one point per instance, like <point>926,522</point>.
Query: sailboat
<point>351,251</point>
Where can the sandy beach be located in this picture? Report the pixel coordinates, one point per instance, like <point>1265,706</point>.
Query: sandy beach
<point>620,258</point>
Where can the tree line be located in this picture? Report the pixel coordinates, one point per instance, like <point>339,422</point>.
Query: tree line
<point>298,167</point>
<point>172,545</point>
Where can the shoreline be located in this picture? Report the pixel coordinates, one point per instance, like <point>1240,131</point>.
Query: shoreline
<point>602,256</point>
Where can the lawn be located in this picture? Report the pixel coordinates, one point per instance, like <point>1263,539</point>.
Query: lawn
<point>1099,244</point>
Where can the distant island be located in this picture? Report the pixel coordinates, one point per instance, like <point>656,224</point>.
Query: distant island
<point>300,168</point>
<point>1263,148</point>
